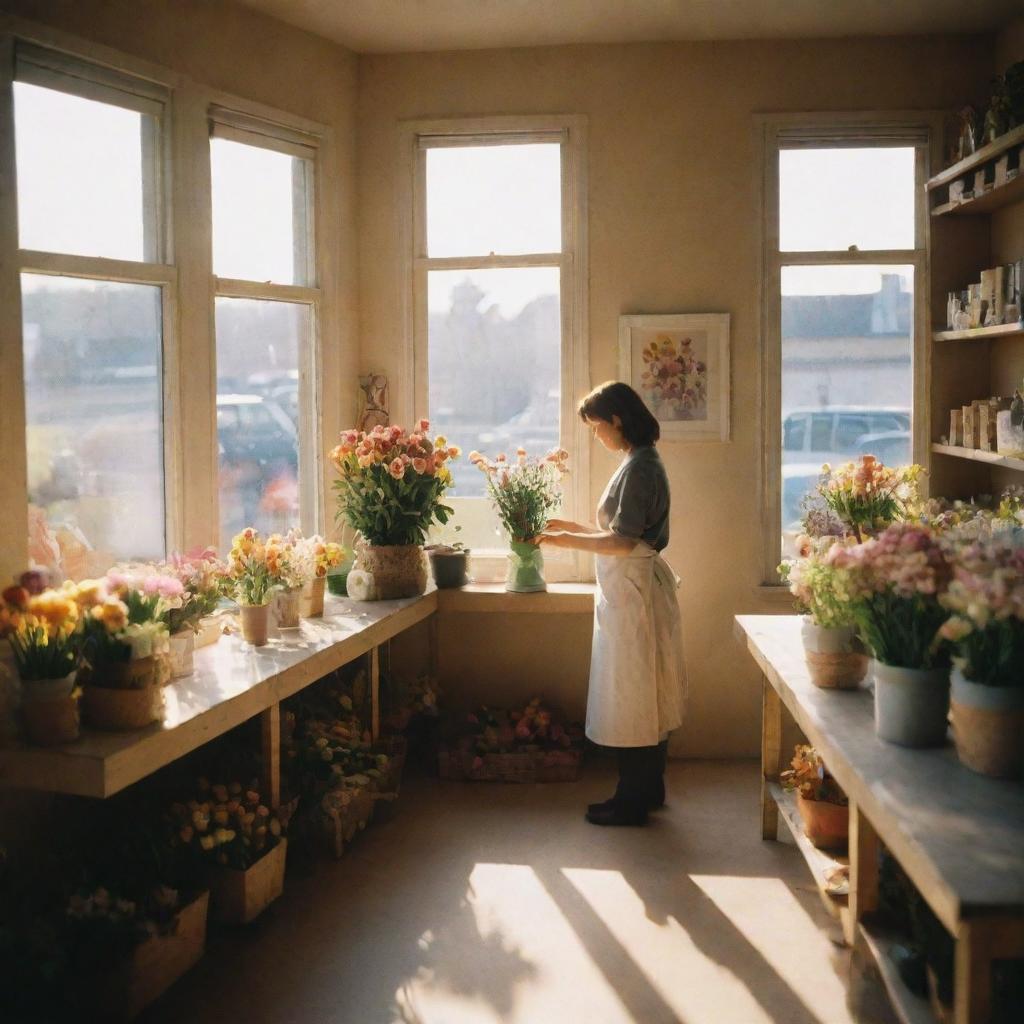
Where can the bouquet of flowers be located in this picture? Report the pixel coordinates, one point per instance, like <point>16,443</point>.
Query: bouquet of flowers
<point>43,629</point>
<point>391,482</point>
<point>986,598</point>
<point>255,567</point>
<point>125,614</point>
<point>867,496</point>
<point>808,776</point>
<point>524,492</point>
<point>894,583</point>
<point>308,558</point>
<point>821,588</point>
<point>202,579</point>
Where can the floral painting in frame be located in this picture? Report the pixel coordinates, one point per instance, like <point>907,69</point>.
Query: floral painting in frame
<point>679,364</point>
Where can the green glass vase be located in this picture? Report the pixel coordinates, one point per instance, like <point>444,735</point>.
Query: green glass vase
<point>525,568</point>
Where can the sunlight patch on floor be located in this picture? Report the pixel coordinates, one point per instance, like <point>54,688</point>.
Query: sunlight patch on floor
<point>528,967</point>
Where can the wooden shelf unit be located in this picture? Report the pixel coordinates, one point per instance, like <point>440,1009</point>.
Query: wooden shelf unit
<point>982,333</point>
<point>977,455</point>
<point>910,1008</point>
<point>996,198</point>
<point>992,199</point>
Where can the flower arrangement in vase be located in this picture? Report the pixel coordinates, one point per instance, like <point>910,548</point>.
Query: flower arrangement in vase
<point>390,488</point>
<point>986,633</point>
<point>202,579</point>
<point>823,805</point>
<point>44,631</point>
<point>894,582</point>
<point>255,569</point>
<point>524,493</point>
<point>867,496</point>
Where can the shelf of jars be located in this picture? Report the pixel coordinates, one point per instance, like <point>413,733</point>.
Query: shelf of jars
<point>978,455</point>
<point>987,180</point>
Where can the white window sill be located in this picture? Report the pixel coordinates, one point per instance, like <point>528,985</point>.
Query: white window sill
<point>558,599</point>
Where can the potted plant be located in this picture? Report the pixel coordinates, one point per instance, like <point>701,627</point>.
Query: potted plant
<point>43,630</point>
<point>390,485</point>
<point>867,496</point>
<point>835,656</point>
<point>125,632</point>
<point>255,570</point>
<point>524,494</point>
<point>239,841</point>
<point>822,804</point>
<point>449,564</point>
<point>895,581</point>
<point>201,577</point>
<point>326,556</point>
<point>986,631</point>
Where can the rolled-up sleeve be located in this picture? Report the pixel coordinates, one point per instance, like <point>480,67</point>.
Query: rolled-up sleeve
<point>636,497</point>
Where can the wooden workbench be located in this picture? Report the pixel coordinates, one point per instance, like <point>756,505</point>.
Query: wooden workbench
<point>959,836</point>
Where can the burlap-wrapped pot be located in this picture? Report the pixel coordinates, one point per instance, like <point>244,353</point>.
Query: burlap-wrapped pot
<point>835,658</point>
<point>398,570</point>
<point>123,695</point>
<point>988,726</point>
<point>50,711</point>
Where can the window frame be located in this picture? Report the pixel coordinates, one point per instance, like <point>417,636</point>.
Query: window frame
<point>570,131</point>
<point>921,130</point>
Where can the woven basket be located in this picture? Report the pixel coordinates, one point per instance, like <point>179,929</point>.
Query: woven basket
<point>520,766</point>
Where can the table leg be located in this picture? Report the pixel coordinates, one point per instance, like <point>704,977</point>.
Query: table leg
<point>375,692</point>
<point>771,757</point>
<point>864,851</point>
<point>979,942</point>
<point>270,730</point>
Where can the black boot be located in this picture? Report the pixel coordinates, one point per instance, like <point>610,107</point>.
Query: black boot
<point>629,805</point>
<point>657,800</point>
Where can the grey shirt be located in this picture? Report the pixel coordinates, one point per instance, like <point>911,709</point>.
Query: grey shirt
<point>636,502</point>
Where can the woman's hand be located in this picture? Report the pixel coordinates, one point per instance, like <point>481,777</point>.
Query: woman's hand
<point>551,537</point>
<point>559,524</point>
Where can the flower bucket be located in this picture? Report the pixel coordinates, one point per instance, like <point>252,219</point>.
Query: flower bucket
<point>449,568</point>
<point>988,726</point>
<point>255,623</point>
<point>835,658</point>
<point>156,963</point>
<point>238,897</point>
<point>525,568</point>
<point>50,711</point>
<point>182,647</point>
<point>911,704</point>
<point>398,570</point>
<point>287,604</point>
<point>121,710</point>
<point>826,825</point>
<point>313,597</point>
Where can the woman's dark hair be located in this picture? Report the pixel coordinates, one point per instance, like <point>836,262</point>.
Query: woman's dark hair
<point>613,398</point>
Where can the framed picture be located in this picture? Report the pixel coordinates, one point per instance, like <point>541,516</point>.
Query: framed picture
<point>679,364</point>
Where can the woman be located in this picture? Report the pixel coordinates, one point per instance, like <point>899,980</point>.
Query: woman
<point>637,676</point>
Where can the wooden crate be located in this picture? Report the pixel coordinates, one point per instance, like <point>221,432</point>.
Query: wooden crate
<point>342,824</point>
<point>238,897</point>
<point>519,766</point>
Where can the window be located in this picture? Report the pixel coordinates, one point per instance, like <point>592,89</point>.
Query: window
<point>844,266</point>
<point>499,351</point>
<point>89,156</point>
<point>262,180</point>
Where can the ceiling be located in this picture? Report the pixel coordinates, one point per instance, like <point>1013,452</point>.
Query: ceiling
<point>395,26</point>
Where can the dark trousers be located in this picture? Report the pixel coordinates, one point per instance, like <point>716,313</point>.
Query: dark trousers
<point>641,775</point>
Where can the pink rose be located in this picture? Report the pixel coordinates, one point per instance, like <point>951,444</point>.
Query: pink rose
<point>397,469</point>
<point>420,465</point>
<point>423,426</point>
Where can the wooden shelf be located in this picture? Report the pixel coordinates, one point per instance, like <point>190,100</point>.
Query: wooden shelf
<point>994,199</point>
<point>992,151</point>
<point>819,861</point>
<point>909,1008</point>
<point>977,455</point>
<point>1015,330</point>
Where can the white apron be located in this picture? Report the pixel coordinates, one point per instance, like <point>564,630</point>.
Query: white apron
<point>637,688</point>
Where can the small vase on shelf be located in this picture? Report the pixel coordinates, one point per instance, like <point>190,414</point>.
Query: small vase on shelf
<point>525,568</point>
<point>255,623</point>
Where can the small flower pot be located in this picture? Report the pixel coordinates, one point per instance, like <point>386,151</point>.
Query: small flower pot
<point>50,711</point>
<point>313,597</point>
<point>238,897</point>
<point>337,580</point>
<point>120,710</point>
<point>449,568</point>
<point>287,604</point>
<point>182,647</point>
<point>209,631</point>
<point>398,570</point>
<point>911,704</point>
<point>835,658</point>
<point>255,623</point>
<point>988,726</point>
<point>826,825</point>
<point>525,568</point>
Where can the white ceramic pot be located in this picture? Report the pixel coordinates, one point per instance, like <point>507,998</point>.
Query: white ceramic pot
<point>988,726</point>
<point>835,657</point>
<point>911,704</point>
<point>182,647</point>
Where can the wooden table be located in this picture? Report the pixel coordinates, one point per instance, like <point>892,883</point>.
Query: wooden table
<point>959,836</point>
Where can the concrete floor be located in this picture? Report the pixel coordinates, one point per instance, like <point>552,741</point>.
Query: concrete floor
<point>484,903</point>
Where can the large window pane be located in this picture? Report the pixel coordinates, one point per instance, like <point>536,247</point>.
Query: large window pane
<point>494,199</point>
<point>93,408</point>
<point>494,362</point>
<point>847,385</point>
<point>260,205</point>
<point>82,167</point>
<point>259,344</point>
<point>831,199</point>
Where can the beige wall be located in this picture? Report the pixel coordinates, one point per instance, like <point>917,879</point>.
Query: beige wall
<point>673,228</point>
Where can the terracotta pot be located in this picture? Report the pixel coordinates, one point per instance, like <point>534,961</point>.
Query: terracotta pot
<point>182,648</point>
<point>255,623</point>
<point>988,726</point>
<point>119,710</point>
<point>826,825</point>
<point>911,704</point>
<point>835,658</point>
<point>50,711</point>
<point>398,570</point>
<point>286,605</point>
<point>313,597</point>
